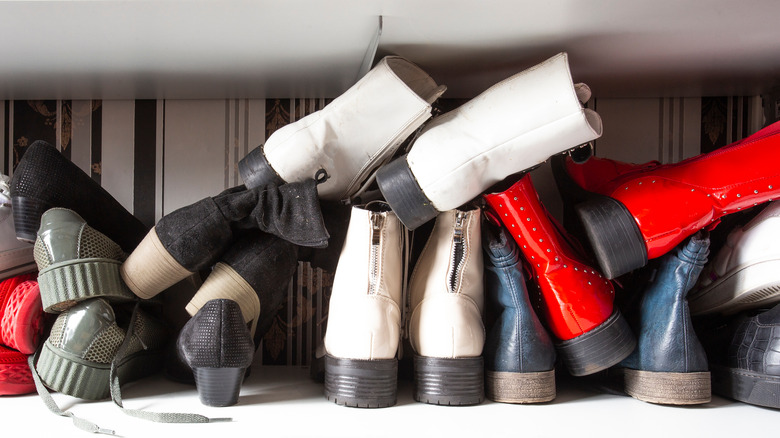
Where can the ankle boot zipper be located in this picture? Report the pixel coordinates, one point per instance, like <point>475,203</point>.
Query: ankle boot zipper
<point>377,221</point>
<point>458,251</point>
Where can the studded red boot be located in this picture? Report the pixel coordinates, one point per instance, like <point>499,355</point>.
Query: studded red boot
<point>575,300</point>
<point>642,214</point>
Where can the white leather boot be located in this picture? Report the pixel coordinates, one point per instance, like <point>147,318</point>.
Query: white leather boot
<point>364,318</point>
<point>513,126</point>
<point>352,136</point>
<point>446,301</point>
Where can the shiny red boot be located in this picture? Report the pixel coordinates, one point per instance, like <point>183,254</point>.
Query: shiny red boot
<point>575,300</point>
<point>644,213</point>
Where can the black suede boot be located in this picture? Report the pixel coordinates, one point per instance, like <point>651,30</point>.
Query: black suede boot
<point>45,179</point>
<point>194,237</point>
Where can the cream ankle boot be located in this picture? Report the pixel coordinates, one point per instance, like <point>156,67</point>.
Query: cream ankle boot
<point>513,126</point>
<point>446,302</point>
<point>364,319</point>
<point>352,136</point>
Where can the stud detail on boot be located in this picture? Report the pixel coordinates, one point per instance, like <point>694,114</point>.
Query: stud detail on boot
<point>446,303</point>
<point>364,317</point>
<point>575,300</point>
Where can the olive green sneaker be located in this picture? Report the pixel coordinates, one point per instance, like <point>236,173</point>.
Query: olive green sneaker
<point>76,262</point>
<point>77,357</point>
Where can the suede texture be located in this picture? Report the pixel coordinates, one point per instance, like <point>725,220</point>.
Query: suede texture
<point>267,263</point>
<point>216,337</point>
<point>667,341</point>
<point>198,234</point>
<point>517,341</point>
<point>44,175</point>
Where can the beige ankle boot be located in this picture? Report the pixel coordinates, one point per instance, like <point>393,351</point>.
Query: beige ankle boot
<point>446,302</point>
<point>364,319</point>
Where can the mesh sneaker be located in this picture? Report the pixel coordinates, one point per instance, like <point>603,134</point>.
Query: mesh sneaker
<point>21,315</point>
<point>15,376</point>
<point>85,340</point>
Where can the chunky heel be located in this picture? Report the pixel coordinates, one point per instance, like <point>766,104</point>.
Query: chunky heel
<point>667,388</point>
<point>600,348</point>
<point>27,216</point>
<point>445,381</point>
<point>62,285</point>
<point>614,236</point>
<point>505,387</point>
<point>255,170</point>
<point>218,386</point>
<point>361,383</point>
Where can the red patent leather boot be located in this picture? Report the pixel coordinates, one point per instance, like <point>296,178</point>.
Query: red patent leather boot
<point>643,213</point>
<point>575,300</point>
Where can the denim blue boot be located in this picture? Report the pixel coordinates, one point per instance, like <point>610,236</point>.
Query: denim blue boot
<point>669,365</point>
<point>519,354</point>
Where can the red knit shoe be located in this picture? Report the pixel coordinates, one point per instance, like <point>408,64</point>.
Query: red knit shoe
<point>21,314</point>
<point>15,376</point>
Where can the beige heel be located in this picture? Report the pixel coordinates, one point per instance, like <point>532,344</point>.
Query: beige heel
<point>506,387</point>
<point>151,269</point>
<point>668,388</point>
<point>224,282</point>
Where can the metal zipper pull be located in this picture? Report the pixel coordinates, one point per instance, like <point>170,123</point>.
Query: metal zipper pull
<point>458,251</point>
<point>377,221</point>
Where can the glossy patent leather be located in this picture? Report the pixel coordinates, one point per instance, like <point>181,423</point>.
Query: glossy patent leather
<point>86,321</point>
<point>672,201</point>
<point>575,298</point>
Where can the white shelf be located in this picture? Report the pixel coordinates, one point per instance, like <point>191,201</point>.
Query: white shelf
<point>181,49</point>
<point>283,401</point>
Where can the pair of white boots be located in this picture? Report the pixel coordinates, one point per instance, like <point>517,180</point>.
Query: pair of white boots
<point>511,127</point>
<point>440,314</point>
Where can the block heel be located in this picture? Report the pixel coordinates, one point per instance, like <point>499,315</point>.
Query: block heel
<point>27,214</point>
<point>600,348</point>
<point>62,285</point>
<point>255,170</point>
<point>361,383</point>
<point>218,386</point>
<point>451,382</point>
<point>613,235</point>
<point>506,387</point>
<point>667,388</point>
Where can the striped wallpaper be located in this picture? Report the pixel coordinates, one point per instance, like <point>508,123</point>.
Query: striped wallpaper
<point>155,156</point>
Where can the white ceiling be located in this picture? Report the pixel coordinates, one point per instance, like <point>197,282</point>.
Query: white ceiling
<point>290,48</point>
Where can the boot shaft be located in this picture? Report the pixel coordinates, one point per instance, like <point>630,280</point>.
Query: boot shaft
<point>446,292</point>
<point>666,340</point>
<point>574,297</point>
<point>517,341</point>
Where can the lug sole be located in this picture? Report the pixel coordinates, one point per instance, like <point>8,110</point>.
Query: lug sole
<point>598,349</point>
<point>613,235</point>
<point>505,387</point>
<point>361,383</point>
<point>666,388</point>
<point>218,387</point>
<point>449,382</point>
<point>746,386</point>
<point>69,374</point>
<point>752,286</point>
<point>64,284</point>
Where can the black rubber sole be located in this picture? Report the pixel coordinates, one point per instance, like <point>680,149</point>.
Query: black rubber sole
<point>27,217</point>
<point>613,235</point>
<point>256,171</point>
<point>598,349</point>
<point>746,386</point>
<point>401,190</point>
<point>218,386</point>
<point>449,382</point>
<point>361,383</point>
